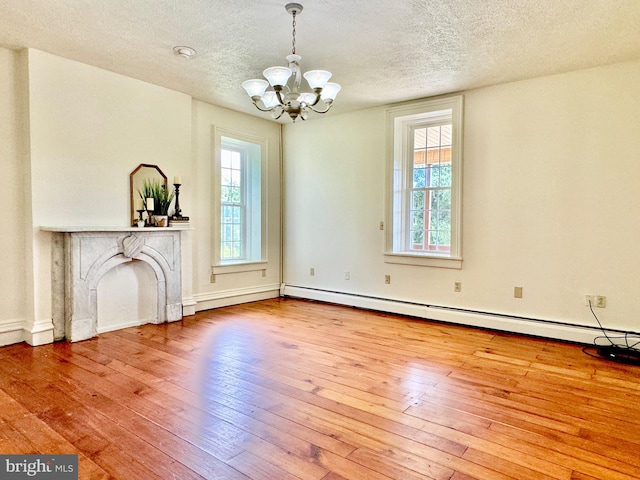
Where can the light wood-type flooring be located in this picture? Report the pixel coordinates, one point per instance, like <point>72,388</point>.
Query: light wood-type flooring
<point>285,389</point>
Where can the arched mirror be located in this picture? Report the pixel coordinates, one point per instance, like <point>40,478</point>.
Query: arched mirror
<point>143,172</point>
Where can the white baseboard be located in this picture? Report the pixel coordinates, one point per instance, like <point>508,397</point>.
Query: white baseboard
<point>40,333</point>
<point>188,306</point>
<point>119,326</point>
<point>12,331</point>
<point>526,326</point>
<point>207,301</point>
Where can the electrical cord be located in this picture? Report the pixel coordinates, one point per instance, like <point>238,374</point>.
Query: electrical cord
<point>618,348</point>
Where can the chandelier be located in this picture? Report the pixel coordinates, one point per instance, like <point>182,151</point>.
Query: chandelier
<point>285,81</point>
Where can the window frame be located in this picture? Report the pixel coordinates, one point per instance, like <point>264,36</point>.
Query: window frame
<point>254,242</point>
<point>401,122</point>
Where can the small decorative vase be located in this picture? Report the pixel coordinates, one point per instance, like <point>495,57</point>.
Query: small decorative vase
<point>161,220</point>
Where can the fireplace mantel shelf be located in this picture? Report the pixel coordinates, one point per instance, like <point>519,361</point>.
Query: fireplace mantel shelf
<point>110,229</point>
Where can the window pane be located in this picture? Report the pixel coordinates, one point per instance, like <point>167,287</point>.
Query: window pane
<point>234,194</point>
<point>226,159</point>
<point>440,199</point>
<point>419,177</point>
<point>418,239</point>
<point>226,177</point>
<point>225,194</point>
<point>445,175</point>
<point>227,214</point>
<point>445,135</point>
<point>235,178</point>
<point>418,200</point>
<point>237,232</point>
<point>445,154</point>
<point>417,220</point>
<point>433,176</point>
<point>433,155</point>
<point>433,136</point>
<point>235,160</point>
<point>420,138</point>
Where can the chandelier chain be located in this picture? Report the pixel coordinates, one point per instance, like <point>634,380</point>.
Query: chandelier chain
<point>293,43</point>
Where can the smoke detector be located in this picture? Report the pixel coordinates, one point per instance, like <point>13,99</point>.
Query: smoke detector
<point>184,52</point>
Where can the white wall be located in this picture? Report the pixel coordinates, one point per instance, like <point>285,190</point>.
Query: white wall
<point>239,287</point>
<point>71,135</point>
<point>550,185</point>
<point>13,310</point>
<point>89,129</point>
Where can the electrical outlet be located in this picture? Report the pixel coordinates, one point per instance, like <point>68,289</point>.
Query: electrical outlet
<point>312,271</point>
<point>599,301</point>
<point>387,279</point>
<point>347,276</point>
<point>517,292</point>
<point>457,286</point>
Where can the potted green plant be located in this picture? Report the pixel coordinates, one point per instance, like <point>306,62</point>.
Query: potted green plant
<point>162,199</point>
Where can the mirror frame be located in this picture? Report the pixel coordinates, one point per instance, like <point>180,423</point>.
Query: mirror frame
<point>136,180</point>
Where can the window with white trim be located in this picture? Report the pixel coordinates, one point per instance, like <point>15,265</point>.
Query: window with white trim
<point>425,164</point>
<point>239,226</point>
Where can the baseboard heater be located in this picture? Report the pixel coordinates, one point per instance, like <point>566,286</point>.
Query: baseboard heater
<point>495,321</point>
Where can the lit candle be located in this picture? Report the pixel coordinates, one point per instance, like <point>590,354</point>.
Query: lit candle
<point>177,180</point>
<point>149,203</point>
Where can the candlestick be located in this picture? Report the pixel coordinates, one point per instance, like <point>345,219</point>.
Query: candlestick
<point>178,213</point>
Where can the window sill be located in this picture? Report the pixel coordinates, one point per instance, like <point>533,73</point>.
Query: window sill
<point>238,267</point>
<point>423,260</point>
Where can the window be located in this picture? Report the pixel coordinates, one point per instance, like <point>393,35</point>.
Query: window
<point>239,223</point>
<point>425,176</point>
<point>233,200</point>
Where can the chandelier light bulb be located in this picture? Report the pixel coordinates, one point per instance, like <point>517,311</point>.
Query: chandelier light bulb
<point>307,98</point>
<point>270,99</point>
<point>255,87</point>
<point>277,76</point>
<point>329,92</point>
<point>317,78</point>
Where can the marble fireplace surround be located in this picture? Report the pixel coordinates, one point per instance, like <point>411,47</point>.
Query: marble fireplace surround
<point>82,256</point>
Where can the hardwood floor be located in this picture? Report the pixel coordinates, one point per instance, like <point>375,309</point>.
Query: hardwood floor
<point>286,389</point>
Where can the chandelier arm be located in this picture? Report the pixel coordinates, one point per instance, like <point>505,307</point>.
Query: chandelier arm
<point>279,96</point>
<point>317,92</point>
<point>329,105</point>
<point>255,102</point>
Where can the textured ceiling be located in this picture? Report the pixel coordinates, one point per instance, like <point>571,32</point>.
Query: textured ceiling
<point>380,51</point>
